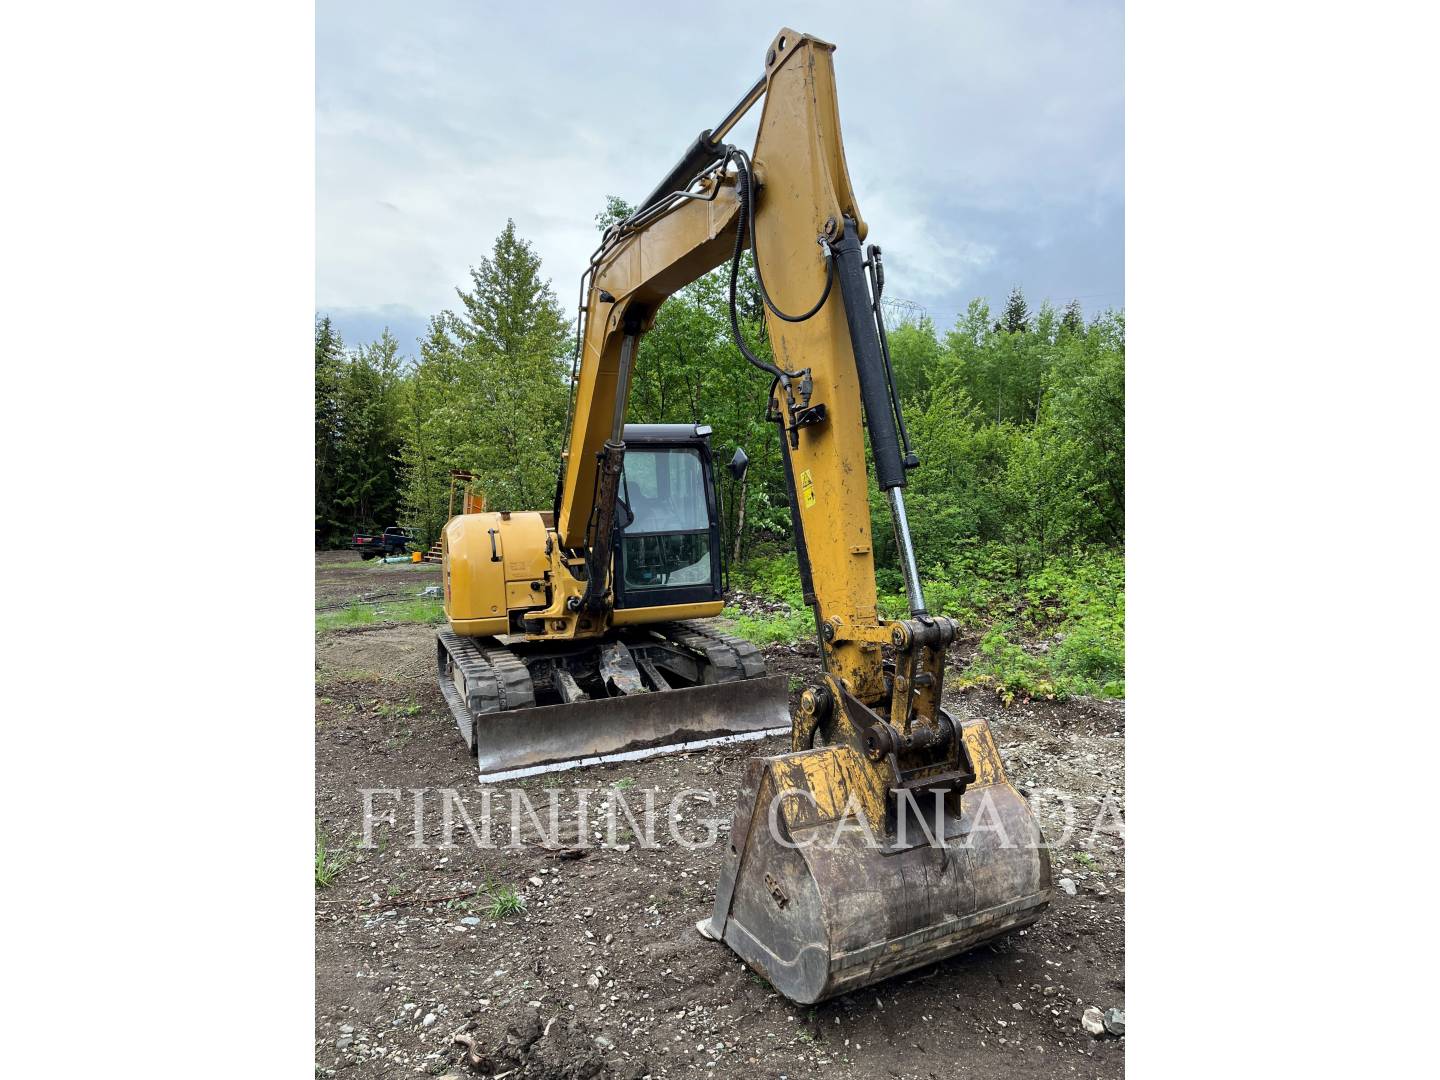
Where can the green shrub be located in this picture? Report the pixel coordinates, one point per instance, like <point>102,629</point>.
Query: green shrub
<point>1074,603</point>
<point>1055,631</point>
<point>1090,658</point>
<point>772,629</point>
<point>774,574</point>
<point>1009,668</point>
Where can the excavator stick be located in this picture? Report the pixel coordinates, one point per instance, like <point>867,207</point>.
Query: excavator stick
<point>820,900</point>
<point>681,687</point>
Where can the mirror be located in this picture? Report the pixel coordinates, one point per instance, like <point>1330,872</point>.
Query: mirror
<point>738,464</point>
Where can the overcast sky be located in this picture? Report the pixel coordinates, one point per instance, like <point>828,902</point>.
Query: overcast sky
<point>985,140</point>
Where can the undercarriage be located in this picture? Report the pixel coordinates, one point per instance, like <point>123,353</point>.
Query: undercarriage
<point>527,707</point>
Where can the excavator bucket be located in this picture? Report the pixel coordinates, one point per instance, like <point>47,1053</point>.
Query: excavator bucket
<point>624,709</point>
<point>821,895</point>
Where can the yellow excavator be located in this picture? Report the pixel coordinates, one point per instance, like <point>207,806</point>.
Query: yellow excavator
<point>888,837</point>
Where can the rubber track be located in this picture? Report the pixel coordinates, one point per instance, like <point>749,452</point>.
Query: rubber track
<point>498,679</point>
<point>731,657</point>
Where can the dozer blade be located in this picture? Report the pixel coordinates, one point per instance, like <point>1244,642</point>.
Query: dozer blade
<point>548,738</point>
<point>808,901</point>
<point>492,698</point>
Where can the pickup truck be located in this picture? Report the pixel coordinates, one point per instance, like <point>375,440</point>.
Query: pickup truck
<point>393,541</point>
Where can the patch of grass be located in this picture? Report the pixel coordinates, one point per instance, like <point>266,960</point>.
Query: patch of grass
<point>504,902</point>
<point>627,782</point>
<point>1091,656</point>
<point>325,679</point>
<point>329,862</point>
<point>399,738</point>
<point>352,614</point>
<point>1078,603</point>
<point>420,610</point>
<point>1088,658</point>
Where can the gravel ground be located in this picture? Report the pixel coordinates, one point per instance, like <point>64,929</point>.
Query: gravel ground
<point>602,974</point>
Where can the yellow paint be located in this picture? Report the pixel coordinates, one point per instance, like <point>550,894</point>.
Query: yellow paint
<point>983,753</point>
<point>640,272</point>
<point>819,786</point>
<point>825,779</point>
<point>479,627</point>
<point>665,613</point>
<point>519,595</point>
<point>475,583</point>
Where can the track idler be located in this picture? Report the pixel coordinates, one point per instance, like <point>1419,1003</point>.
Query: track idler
<point>833,881</point>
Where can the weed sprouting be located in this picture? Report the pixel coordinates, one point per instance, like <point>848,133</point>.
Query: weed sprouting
<point>329,862</point>
<point>504,902</point>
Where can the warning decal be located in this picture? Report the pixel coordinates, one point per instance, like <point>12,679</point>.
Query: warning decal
<point>807,488</point>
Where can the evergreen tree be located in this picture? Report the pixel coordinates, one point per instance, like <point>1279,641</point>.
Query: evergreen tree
<point>514,339</point>
<point>1073,321</point>
<point>367,482</point>
<point>1016,319</point>
<point>489,391</point>
<point>511,311</point>
<point>329,364</point>
<point>433,441</point>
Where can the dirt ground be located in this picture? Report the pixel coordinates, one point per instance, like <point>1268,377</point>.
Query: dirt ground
<point>602,974</point>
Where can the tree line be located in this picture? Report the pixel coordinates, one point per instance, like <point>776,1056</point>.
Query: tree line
<point>1018,417</point>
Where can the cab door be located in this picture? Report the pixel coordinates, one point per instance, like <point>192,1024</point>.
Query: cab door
<point>667,546</point>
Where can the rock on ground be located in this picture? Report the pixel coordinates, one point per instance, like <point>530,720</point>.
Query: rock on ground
<point>1093,1021</point>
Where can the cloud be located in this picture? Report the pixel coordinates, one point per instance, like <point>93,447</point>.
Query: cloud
<point>985,141</point>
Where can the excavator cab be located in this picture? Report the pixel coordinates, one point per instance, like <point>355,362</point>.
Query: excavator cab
<point>667,546</point>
